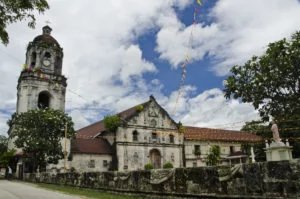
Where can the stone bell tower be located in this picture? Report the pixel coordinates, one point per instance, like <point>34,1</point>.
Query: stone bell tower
<point>41,83</point>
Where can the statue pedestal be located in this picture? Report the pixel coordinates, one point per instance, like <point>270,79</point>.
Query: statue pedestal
<point>278,151</point>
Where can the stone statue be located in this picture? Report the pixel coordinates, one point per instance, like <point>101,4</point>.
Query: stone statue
<point>275,131</point>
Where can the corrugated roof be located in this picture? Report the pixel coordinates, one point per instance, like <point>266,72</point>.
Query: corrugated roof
<point>91,146</point>
<point>203,134</point>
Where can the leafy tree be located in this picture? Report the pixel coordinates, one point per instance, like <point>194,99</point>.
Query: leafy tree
<point>112,122</point>
<point>39,133</point>
<point>287,130</point>
<point>270,82</point>
<point>6,157</point>
<point>18,10</point>
<point>3,144</point>
<point>213,158</point>
<point>258,128</point>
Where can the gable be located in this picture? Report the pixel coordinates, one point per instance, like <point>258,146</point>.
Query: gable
<point>151,114</point>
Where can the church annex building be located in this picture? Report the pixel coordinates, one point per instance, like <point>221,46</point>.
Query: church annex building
<point>147,134</point>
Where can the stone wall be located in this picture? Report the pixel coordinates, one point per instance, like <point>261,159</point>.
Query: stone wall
<point>258,180</point>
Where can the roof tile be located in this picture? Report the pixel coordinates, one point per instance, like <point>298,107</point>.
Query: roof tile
<point>197,133</point>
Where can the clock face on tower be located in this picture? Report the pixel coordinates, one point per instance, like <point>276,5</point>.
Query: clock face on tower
<point>46,62</point>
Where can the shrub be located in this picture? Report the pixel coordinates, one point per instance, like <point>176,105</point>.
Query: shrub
<point>112,122</point>
<point>139,108</point>
<point>148,166</point>
<point>168,165</point>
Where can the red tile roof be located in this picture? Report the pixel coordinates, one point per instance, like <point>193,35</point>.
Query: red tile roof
<point>91,146</point>
<point>203,134</point>
<point>93,130</point>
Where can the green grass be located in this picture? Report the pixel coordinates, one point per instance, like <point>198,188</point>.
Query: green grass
<point>87,193</point>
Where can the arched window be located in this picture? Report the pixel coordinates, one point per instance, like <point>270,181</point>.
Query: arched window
<point>135,135</point>
<point>171,137</point>
<point>44,100</point>
<point>33,59</point>
<point>47,55</point>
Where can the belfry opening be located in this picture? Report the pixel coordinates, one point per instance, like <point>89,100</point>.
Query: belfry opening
<point>44,100</point>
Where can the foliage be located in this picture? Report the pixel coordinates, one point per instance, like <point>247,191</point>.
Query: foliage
<point>148,166</point>
<point>18,10</point>
<point>112,122</point>
<point>270,82</point>
<point>3,144</point>
<point>287,130</point>
<point>6,157</point>
<point>139,108</point>
<point>39,133</point>
<point>168,165</point>
<point>213,157</point>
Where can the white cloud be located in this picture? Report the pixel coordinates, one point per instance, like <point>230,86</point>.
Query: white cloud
<point>211,109</point>
<point>105,66</point>
<point>240,29</point>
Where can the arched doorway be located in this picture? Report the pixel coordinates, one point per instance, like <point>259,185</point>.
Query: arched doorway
<point>155,158</point>
<point>44,100</point>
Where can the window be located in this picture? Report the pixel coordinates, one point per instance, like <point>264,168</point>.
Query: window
<point>91,164</point>
<point>197,150</point>
<point>194,164</point>
<point>33,59</point>
<point>154,137</point>
<point>47,55</point>
<point>232,150</point>
<point>135,158</point>
<point>171,138</point>
<point>135,135</point>
<point>105,163</point>
<point>44,100</point>
<point>172,157</point>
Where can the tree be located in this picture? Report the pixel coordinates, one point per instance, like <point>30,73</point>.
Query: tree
<point>18,10</point>
<point>39,133</point>
<point>6,157</point>
<point>213,157</point>
<point>270,82</point>
<point>287,130</point>
<point>3,144</point>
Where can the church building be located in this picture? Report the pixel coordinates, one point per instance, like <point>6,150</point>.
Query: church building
<point>147,135</point>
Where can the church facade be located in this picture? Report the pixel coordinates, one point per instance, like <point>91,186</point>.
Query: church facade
<point>148,135</point>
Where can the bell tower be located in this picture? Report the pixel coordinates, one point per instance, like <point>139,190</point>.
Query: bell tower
<point>41,83</point>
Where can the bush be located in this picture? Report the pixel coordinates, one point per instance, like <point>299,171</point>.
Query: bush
<point>148,166</point>
<point>168,165</point>
<point>139,108</point>
<point>112,122</point>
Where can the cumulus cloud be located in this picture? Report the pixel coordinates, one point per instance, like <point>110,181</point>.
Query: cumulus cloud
<point>239,30</point>
<point>211,109</point>
<point>105,65</point>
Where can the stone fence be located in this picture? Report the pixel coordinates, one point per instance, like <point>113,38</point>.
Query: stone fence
<point>257,180</point>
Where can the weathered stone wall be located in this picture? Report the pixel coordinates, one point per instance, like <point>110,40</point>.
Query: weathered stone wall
<point>258,180</point>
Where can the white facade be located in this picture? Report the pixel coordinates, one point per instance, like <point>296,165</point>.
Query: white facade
<point>150,136</point>
<point>194,158</point>
<point>90,162</point>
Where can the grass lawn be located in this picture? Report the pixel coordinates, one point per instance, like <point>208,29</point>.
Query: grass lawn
<point>86,193</point>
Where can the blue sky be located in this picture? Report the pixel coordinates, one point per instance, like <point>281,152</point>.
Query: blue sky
<point>118,53</point>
